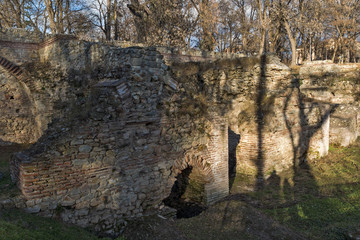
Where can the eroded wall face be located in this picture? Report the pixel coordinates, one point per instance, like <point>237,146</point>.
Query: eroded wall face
<point>17,123</point>
<point>19,45</point>
<point>30,90</point>
<point>263,104</point>
<point>115,151</point>
<point>337,85</point>
<point>118,125</point>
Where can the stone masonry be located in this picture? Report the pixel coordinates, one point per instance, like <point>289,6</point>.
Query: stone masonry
<point>113,127</point>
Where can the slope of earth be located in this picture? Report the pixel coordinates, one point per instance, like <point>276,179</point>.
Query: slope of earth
<point>228,219</point>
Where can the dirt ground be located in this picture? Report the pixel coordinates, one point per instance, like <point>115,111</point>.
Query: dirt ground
<point>228,219</point>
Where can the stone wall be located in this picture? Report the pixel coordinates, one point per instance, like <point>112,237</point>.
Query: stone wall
<point>336,85</point>
<point>20,45</point>
<point>29,98</point>
<point>113,136</point>
<point>263,105</point>
<point>116,126</point>
<point>327,68</point>
<point>17,120</point>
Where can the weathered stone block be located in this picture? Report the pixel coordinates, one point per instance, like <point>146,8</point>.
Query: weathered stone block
<point>77,142</point>
<point>85,148</point>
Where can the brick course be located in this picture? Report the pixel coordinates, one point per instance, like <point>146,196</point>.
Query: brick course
<point>116,125</point>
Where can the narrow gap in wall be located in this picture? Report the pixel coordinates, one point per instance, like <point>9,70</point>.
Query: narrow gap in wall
<point>187,194</point>
<point>233,142</point>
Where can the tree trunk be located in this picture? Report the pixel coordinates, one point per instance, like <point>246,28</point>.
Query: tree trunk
<point>207,41</point>
<point>262,26</point>
<point>51,15</point>
<point>108,21</point>
<point>139,15</point>
<point>262,49</point>
<point>60,17</point>
<point>18,16</point>
<point>244,43</point>
<point>292,42</point>
<point>335,51</point>
<point>116,28</point>
<point>67,15</point>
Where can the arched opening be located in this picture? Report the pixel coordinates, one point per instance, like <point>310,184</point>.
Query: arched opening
<point>189,192</point>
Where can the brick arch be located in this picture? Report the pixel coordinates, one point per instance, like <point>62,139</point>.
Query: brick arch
<point>195,160</point>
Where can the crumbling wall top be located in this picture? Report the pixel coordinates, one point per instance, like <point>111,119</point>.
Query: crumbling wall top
<point>21,35</point>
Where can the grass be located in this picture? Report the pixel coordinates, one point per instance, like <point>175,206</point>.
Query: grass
<point>15,224</point>
<point>322,218</point>
<point>320,199</point>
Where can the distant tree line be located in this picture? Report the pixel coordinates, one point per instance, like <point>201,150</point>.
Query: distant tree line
<point>314,29</point>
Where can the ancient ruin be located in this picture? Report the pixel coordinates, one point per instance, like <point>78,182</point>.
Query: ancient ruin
<point>113,128</point>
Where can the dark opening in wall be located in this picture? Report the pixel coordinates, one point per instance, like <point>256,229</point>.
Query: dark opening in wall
<point>11,97</point>
<point>233,142</point>
<point>187,194</point>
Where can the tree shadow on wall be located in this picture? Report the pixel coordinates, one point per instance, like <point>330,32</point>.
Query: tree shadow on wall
<point>260,120</point>
<point>289,190</point>
<point>305,129</point>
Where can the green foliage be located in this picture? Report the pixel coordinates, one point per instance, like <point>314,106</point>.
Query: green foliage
<point>194,191</point>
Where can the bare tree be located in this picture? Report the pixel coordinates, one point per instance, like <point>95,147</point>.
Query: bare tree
<point>12,13</point>
<point>141,13</point>
<point>263,20</point>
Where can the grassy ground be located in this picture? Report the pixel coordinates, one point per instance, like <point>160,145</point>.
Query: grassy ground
<point>320,200</point>
<point>15,224</point>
